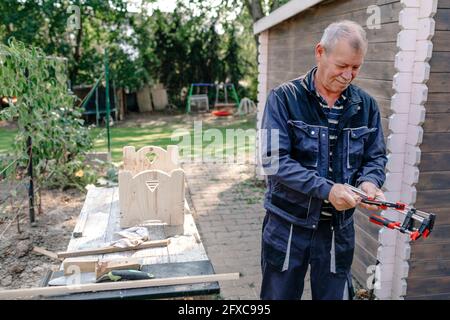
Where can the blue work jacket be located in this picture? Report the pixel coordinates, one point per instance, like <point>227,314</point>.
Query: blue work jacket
<point>295,151</point>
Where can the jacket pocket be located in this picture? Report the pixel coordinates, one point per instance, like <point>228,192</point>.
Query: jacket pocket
<point>355,139</point>
<point>306,143</point>
<point>293,202</point>
<point>275,243</point>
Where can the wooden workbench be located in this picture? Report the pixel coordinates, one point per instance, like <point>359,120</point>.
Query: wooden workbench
<point>185,255</point>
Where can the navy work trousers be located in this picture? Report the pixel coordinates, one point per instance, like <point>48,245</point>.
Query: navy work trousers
<point>288,250</point>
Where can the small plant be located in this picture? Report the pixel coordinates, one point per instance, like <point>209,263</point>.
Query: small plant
<point>44,111</point>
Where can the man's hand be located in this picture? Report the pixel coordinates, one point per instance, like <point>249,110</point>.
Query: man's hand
<point>372,192</point>
<point>342,198</point>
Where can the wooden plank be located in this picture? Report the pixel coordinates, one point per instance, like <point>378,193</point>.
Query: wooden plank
<point>377,70</point>
<point>376,88</point>
<point>435,142</point>
<point>89,206</point>
<point>444,4</point>
<point>112,249</point>
<point>433,180</point>
<point>151,195</point>
<point>437,122</point>
<point>365,256</point>
<point>441,41</point>
<point>428,285</point>
<point>434,161</point>
<point>79,265</point>
<point>442,18</point>
<point>381,51</point>
<point>45,252</point>
<point>432,199</point>
<point>366,241</point>
<point>359,271</point>
<point>97,287</point>
<point>427,251</point>
<point>439,296</point>
<point>438,103</point>
<point>440,62</point>
<point>362,221</point>
<point>437,268</point>
<point>103,267</point>
<point>438,83</point>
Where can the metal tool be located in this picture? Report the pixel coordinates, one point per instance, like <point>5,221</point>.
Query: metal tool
<point>411,215</point>
<point>74,279</point>
<point>118,275</point>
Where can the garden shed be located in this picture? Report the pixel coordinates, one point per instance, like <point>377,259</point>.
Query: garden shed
<point>406,70</point>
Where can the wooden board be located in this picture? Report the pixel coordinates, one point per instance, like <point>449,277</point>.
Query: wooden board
<point>112,249</point>
<point>103,230</point>
<point>435,180</point>
<point>137,161</point>
<point>433,142</point>
<point>441,41</point>
<point>426,251</point>
<point>151,195</point>
<point>442,18</point>
<point>438,83</point>
<point>438,102</point>
<point>428,285</point>
<point>434,161</point>
<point>440,62</point>
<point>437,268</point>
<point>120,285</point>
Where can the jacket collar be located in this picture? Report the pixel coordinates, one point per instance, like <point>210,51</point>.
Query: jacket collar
<point>307,82</point>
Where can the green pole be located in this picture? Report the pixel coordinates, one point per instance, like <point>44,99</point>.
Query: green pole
<point>107,100</point>
<point>235,94</point>
<point>188,105</point>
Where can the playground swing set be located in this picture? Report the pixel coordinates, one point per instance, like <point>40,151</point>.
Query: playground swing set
<point>199,102</point>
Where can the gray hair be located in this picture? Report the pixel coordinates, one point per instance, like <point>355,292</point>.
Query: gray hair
<point>344,29</point>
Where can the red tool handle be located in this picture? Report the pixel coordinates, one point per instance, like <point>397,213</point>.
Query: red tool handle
<point>384,222</point>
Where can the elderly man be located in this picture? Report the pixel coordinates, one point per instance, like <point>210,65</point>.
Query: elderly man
<point>328,133</point>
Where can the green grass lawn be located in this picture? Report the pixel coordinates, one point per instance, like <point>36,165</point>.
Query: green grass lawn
<point>160,135</point>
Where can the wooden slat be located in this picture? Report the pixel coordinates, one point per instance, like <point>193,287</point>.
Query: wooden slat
<point>437,123</point>
<point>441,41</point>
<point>432,199</point>
<point>381,51</point>
<point>97,287</point>
<point>111,249</point>
<point>362,221</point>
<point>430,251</point>
<point>433,142</point>
<point>377,70</point>
<point>366,257</point>
<point>442,18</point>
<point>436,268</point>
<point>376,88</point>
<point>438,103</point>
<point>438,83</point>
<point>433,180</point>
<point>444,4</point>
<point>440,62</point>
<point>439,296</point>
<point>359,271</point>
<point>434,161</point>
<point>363,239</point>
<point>428,285</point>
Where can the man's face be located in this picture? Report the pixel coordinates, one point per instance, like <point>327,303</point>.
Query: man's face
<point>336,69</point>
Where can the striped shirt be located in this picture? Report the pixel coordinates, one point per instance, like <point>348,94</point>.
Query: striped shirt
<point>333,114</point>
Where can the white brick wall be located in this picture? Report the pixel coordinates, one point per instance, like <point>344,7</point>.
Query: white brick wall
<point>408,114</point>
<point>263,52</point>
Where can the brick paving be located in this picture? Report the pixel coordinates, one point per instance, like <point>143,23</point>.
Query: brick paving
<point>227,204</point>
